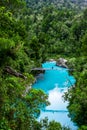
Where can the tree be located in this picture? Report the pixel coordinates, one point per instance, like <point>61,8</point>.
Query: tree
<point>83,127</point>
<point>84,45</point>
<point>54,126</point>
<point>78,100</point>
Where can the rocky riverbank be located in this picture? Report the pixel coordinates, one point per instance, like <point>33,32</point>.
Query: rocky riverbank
<point>62,62</point>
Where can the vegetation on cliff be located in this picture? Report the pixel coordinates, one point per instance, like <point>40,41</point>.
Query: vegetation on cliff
<point>30,33</point>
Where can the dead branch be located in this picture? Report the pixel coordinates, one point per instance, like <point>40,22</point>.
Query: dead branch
<point>9,70</point>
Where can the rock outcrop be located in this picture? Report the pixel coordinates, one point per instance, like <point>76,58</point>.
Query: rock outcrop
<point>62,62</point>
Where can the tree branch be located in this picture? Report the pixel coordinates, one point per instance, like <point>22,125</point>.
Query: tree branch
<point>9,70</point>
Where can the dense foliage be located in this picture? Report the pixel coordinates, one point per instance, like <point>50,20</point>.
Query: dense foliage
<point>19,105</point>
<point>30,33</point>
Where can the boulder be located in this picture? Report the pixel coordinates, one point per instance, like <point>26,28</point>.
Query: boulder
<point>62,62</point>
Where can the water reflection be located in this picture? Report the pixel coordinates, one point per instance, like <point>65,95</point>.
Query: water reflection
<point>55,82</point>
<point>56,100</point>
<point>58,108</point>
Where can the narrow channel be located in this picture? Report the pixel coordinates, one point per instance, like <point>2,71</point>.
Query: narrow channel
<point>55,81</point>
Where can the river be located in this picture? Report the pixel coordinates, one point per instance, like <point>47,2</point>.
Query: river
<point>55,81</point>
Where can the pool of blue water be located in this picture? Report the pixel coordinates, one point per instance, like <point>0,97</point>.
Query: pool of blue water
<point>55,81</point>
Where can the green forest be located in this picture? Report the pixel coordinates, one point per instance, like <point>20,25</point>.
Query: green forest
<point>32,32</point>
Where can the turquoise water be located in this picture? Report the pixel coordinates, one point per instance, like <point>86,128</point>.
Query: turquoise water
<point>55,81</point>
